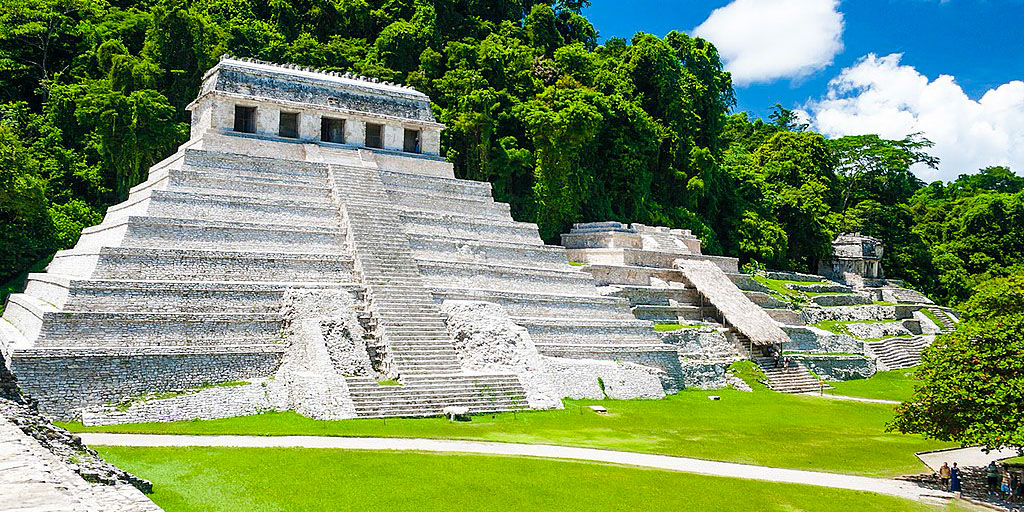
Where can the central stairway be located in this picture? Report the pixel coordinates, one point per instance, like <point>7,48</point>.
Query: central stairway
<point>409,340</point>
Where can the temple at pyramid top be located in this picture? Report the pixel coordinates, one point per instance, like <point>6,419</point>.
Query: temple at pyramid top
<point>260,99</point>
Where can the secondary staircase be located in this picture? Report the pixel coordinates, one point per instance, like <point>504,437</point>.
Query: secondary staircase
<point>946,321</point>
<point>792,379</point>
<point>898,353</point>
<point>412,343</point>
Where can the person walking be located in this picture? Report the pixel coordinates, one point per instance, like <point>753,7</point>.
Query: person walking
<point>954,480</point>
<point>1019,488</point>
<point>944,474</point>
<point>992,477</point>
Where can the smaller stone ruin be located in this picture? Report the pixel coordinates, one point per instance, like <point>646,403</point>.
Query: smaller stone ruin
<point>856,260</point>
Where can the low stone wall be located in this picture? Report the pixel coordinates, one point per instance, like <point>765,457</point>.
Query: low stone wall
<point>821,288</point>
<point>847,299</point>
<point>838,368</point>
<point>813,315</point>
<point>882,330</point>
<point>596,380</point>
<point>64,381</point>
<point>199,404</point>
<point>794,276</point>
<point>814,340</point>
<point>701,343</point>
<point>653,356</point>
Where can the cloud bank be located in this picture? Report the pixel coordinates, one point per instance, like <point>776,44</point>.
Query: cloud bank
<point>881,95</point>
<point>767,40</point>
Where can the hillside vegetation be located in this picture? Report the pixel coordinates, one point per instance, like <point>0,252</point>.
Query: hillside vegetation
<point>566,129</point>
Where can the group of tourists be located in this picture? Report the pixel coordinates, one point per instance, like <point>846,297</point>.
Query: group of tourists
<point>780,360</point>
<point>1002,482</point>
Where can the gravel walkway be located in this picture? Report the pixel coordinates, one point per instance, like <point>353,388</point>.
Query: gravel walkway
<point>703,467</point>
<point>853,398</point>
<point>973,456</point>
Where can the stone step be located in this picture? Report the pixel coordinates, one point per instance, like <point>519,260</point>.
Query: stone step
<point>465,227</point>
<point>159,232</point>
<point>416,403</point>
<point>620,276</point>
<point>433,247</point>
<point>539,304</point>
<point>198,264</point>
<point>463,275</point>
<point>671,314</point>
<point>427,201</point>
<point>435,184</point>
<point>225,208</point>
<point>100,295</point>
<point>254,164</point>
<point>54,328</point>
<point>656,295</point>
<point>220,183</point>
<point>551,330</point>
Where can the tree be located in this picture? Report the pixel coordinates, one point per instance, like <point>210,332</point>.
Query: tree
<point>972,389</point>
<point>878,169</point>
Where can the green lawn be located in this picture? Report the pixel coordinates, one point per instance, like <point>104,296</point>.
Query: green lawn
<point>762,428</point>
<point>892,385</point>
<point>280,479</point>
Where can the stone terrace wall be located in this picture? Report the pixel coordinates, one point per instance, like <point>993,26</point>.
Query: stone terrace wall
<point>75,379</point>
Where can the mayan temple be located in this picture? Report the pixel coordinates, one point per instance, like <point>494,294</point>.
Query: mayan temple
<point>309,249</point>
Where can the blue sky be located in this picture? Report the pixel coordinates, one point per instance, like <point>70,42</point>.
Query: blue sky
<point>884,60</point>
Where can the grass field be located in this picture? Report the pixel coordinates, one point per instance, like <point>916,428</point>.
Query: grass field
<point>762,428</point>
<point>892,385</point>
<point>264,480</point>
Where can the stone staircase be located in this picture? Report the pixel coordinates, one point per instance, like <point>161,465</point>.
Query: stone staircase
<point>410,340</point>
<point>794,379</point>
<point>946,321</point>
<point>898,353</point>
<point>429,395</point>
<point>468,247</point>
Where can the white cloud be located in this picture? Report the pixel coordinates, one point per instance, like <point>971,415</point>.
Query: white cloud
<point>765,40</point>
<point>879,95</point>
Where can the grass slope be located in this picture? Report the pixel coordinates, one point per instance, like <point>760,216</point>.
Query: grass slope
<point>762,428</point>
<point>891,385</point>
<point>258,480</point>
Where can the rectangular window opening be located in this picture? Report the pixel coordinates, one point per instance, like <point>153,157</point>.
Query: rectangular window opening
<point>289,126</point>
<point>332,130</point>
<point>374,135</point>
<point>245,119</point>
<point>412,141</point>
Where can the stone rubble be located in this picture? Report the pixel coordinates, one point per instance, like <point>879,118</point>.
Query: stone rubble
<point>45,468</point>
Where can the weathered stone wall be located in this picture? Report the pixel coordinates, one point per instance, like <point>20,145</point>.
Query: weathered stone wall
<point>663,358</point>
<point>812,339</point>
<point>67,380</point>
<point>813,315</point>
<point>596,380</point>
<point>838,368</point>
<point>880,330</point>
<point>487,340</point>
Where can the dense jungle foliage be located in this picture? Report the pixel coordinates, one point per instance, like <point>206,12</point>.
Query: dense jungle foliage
<point>566,129</point>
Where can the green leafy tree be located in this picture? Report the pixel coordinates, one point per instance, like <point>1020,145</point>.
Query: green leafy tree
<point>972,389</point>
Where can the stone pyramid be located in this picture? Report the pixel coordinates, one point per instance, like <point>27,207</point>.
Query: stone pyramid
<point>301,183</point>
